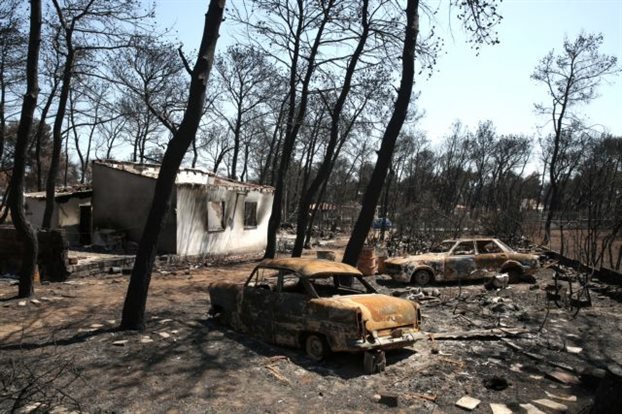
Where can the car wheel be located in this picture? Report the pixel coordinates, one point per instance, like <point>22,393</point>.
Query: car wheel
<point>421,277</point>
<point>316,347</point>
<point>374,361</point>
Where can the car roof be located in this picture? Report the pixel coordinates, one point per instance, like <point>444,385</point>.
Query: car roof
<point>308,267</point>
<point>470,239</point>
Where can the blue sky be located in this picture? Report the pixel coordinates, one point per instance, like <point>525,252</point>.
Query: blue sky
<point>495,85</point>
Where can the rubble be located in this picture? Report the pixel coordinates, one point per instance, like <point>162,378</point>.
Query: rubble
<point>468,403</point>
<point>506,349</point>
<point>571,398</point>
<point>555,406</point>
<point>500,409</point>
<point>531,409</point>
<point>563,377</point>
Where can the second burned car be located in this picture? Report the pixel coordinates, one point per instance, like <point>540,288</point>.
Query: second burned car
<point>320,306</point>
<point>463,259</point>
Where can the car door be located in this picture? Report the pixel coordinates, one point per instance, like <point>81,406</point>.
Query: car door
<point>289,309</point>
<point>256,307</point>
<point>460,262</point>
<point>489,257</point>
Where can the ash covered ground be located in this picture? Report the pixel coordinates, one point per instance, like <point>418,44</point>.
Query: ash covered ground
<point>62,353</point>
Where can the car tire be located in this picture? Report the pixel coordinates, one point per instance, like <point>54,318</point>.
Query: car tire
<point>316,347</point>
<point>421,277</point>
<point>374,362</point>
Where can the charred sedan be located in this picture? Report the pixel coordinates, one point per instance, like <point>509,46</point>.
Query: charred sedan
<point>318,305</point>
<point>463,259</point>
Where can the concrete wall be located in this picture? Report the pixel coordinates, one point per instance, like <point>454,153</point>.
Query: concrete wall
<point>52,259</point>
<point>121,201</point>
<point>34,212</point>
<point>193,238</point>
<point>66,214</point>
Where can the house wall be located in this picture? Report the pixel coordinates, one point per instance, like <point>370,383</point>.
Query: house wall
<point>66,215</point>
<point>192,235</point>
<point>121,201</point>
<point>34,212</point>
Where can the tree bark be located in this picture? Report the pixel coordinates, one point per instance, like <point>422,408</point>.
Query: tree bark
<point>135,302</point>
<point>25,231</point>
<point>372,194</point>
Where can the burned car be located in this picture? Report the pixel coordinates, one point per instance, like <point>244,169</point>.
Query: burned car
<point>463,259</point>
<point>318,305</point>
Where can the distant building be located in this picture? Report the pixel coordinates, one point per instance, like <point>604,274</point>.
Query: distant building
<point>209,215</point>
<point>531,204</point>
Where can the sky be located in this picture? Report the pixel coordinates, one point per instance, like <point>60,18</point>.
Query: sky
<point>494,85</point>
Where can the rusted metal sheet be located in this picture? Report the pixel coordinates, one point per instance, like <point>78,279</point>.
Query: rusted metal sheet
<point>311,267</point>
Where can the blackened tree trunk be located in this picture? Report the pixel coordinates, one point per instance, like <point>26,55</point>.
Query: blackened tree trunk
<point>57,137</point>
<point>325,167</point>
<point>39,134</point>
<point>294,120</point>
<point>374,188</point>
<point>16,196</point>
<point>385,206</point>
<point>136,299</point>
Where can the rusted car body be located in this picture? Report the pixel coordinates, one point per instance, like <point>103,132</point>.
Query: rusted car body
<point>462,259</point>
<point>318,305</point>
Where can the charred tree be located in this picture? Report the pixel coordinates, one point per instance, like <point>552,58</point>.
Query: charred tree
<point>335,114</point>
<point>134,308</point>
<point>372,194</point>
<point>571,78</point>
<point>16,196</point>
<point>297,104</point>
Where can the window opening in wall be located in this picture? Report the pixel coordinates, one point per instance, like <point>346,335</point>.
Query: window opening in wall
<point>250,215</point>
<point>215,216</point>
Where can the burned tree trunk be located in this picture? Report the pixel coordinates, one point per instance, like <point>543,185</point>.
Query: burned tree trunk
<point>136,299</point>
<point>16,195</point>
<point>57,137</point>
<point>372,194</point>
<point>294,120</point>
<point>331,153</point>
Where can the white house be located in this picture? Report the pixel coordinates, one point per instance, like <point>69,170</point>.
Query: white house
<point>209,215</point>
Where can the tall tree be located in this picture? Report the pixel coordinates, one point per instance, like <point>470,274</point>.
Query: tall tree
<point>16,195</point>
<point>571,78</point>
<point>478,17</point>
<point>12,57</point>
<point>372,194</point>
<point>333,143</point>
<point>87,27</point>
<point>249,80</point>
<point>297,29</point>
<point>136,299</point>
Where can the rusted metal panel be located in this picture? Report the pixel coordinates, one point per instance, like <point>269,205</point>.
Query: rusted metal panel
<point>311,267</point>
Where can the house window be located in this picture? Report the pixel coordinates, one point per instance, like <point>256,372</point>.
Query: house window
<point>215,216</point>
<point>250,215</point>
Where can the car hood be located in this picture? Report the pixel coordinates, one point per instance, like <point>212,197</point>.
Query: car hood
<point>379,311</point>
<point>427,257</point>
